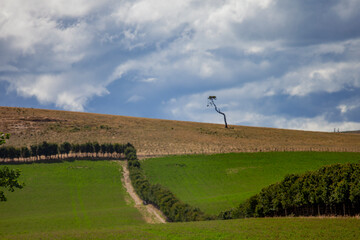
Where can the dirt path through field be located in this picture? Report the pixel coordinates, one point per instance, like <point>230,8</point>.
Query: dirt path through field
<point>150,213</point>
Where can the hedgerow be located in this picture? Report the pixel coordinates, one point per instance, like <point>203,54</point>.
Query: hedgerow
<point>174,209</point>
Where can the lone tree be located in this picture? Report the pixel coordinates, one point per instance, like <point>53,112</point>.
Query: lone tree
<point>212,103</point>
<point>8,177</point>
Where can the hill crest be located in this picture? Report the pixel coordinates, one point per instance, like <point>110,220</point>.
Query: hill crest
<point>160,137</point>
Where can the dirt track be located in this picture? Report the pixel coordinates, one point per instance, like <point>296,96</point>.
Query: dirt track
<point>150,213</point>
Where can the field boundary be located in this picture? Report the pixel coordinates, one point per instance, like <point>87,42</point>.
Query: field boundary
<point>150,213</point>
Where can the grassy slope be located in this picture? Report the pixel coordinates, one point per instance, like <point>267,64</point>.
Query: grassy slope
<point>266,228</point>
<point>154,136</point>
<point>219,182</point>
<point>69,196</point>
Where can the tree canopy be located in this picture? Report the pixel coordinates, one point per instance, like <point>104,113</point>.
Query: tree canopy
<point>8,177</point>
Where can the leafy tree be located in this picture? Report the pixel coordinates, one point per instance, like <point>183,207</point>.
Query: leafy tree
<point>35,151</point>
<point>96,148</point>
<point>65,148</point>
<point>89,148</point>
<point>75,148</point>
<point>3,137</point>
<point>103,148</point>
<point>211,102</point>
<point>110,148</point>
<point>9,181</point>
<point>25,152</point>
<point>8,177</point>
<point>3,152</point>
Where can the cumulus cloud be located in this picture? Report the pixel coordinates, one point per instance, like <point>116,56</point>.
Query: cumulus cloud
<point>58,89</point>
<point>268,60</point>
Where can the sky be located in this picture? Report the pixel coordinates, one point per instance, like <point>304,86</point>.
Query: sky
<point>271,63</point>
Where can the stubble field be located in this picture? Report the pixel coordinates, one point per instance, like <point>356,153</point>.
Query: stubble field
<point>154,137</point>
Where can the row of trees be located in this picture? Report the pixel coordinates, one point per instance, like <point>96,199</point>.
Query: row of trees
<point>47,151</point>
<point>331,190</point>
<point>174,209</point>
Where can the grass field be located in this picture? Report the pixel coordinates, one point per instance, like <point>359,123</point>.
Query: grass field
<point>86,200</point>
<point>161,137</point>
<point>219,182</point>
<point>266,228</point>
<point>68,197</point>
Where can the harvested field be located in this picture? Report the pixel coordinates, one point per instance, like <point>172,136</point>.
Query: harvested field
<point>162,137</point>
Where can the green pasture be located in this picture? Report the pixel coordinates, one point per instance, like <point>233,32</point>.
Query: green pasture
<point>68,197</point>
<point>260,228</point>
<point>219,182</point>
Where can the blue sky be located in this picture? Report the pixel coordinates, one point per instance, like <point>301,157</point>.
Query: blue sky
<point>285,64</point>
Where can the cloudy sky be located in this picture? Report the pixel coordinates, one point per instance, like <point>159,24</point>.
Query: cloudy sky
<point>274,63</point>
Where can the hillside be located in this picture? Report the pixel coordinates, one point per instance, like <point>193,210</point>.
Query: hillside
<point>219,182</point>
<point>159,137</point>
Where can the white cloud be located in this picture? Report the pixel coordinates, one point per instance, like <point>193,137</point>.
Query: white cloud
<point>243,51</point>
<point>135,98</point>
<point>329,78</point>
<point>349,106</point>
<point>318,123</point>
<point>58,89</point>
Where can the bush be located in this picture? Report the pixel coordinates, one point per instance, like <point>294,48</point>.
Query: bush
<point>174,209</point>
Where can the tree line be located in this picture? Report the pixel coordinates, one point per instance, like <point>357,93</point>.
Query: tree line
<point>174,209</point>
<point>331,190</point>
<point>48,151</point>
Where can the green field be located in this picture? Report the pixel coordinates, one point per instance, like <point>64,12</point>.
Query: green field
<point>86,200</point>
<point>260,228</point>
<point>219,182</point>
<point>68,197</point>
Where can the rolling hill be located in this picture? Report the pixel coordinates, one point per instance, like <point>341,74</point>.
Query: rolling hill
<point>161,137</point>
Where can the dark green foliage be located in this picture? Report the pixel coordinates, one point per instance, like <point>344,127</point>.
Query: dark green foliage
<point>174,209</point>
<point>12,152</point>
<point>25,152</point>
<point>9,181</point>
<point>103,148</point>
<point>65,148</point>
<point>96,147</point>
<point>89,147</point>
<point>110,148</point>
<point>130,153</point>
<point>3,137</point>
<point>75,148</point>
<point>53,150</point>
<point>3,152</point>
<point>331,190</point>
<point>34,150</point>
<point>119,149</point>
<point>83,148</point>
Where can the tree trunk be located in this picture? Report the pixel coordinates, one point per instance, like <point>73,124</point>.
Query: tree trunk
<point>218,110</point>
